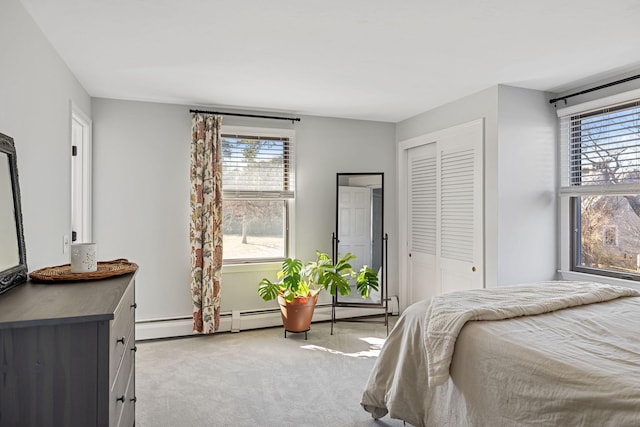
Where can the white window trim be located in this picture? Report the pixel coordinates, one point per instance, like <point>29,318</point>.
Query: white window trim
<point>564,202</point>
<point>258,131</point>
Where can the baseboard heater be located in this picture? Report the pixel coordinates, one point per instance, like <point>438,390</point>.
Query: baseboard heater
<point>239,320</point>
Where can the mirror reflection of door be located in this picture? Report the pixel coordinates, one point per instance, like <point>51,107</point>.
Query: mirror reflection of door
<point>360,227</point>
<point>354,227</point>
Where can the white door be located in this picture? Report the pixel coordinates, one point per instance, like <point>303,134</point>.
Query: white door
<point>354,228</point>
<point>80,177</point>
<point>445,213</point>
<point>422,222</point>
<point>461,210</point>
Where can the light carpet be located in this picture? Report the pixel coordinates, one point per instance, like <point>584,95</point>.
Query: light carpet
<point>259,378</point>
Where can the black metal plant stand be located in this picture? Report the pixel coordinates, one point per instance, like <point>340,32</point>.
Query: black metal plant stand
<point>298,332</point>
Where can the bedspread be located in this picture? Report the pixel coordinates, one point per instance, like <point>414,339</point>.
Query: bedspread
<point>448,313</point>
<point>579,366</point>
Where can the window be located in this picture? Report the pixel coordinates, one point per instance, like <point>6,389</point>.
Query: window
<point>258,185</point>
<point>610,235</point>
<point>601,176</point>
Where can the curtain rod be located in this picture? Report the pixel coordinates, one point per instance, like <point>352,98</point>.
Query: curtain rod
<point>617,82</point>
<point>293,119</point>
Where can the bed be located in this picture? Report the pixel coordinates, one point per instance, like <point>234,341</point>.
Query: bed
<point>543,354</point>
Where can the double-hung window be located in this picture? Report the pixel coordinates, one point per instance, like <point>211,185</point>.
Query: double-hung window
<point>600,155</point>
<point>258,183</point>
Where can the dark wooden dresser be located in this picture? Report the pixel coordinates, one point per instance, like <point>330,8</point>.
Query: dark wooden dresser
<point>67,354</point>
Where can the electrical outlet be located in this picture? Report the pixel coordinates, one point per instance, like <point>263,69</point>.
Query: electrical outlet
<point>65,244</point>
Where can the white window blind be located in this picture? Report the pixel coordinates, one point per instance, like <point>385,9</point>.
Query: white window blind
<point>601,150</point>
<point>257,167</point>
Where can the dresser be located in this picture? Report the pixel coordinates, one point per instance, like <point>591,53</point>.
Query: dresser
<point>67,354</point>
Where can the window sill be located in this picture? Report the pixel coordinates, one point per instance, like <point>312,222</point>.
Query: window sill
<point>244,268</point>
<point>574,275</point>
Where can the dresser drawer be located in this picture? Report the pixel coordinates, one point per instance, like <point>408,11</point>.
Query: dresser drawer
<point>122,391</point>
<point>128,415</point>
<point>121,336</point>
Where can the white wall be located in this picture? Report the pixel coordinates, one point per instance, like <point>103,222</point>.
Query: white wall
<point>527,202</point>
<point>36,91</point>
<point>519,207</point>
<point>141,195</point>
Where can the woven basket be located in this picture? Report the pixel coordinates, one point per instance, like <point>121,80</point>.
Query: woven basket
<point>62,273</point>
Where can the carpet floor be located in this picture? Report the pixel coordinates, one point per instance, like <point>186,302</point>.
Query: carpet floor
<point>259,378</point>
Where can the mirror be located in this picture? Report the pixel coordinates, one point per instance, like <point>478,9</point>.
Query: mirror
<point>13,263</point>
<point>360,229</point>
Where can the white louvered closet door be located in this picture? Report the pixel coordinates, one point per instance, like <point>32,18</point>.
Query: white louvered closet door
<point>461,220</point>
<point>423,221</point>
<point>445,214</point>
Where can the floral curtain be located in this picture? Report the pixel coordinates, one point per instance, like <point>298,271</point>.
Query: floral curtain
<point>206,222</point>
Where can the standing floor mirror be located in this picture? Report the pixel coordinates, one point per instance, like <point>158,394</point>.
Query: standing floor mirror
<point>13,262</point>
<point>360,231</point>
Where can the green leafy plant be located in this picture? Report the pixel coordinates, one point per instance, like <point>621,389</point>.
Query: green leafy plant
<point>296,280</point>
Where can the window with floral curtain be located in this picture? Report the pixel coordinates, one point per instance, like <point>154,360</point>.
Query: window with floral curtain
<point>206,222</point>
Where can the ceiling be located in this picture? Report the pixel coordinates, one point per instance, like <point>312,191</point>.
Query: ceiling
<point>359,59</point>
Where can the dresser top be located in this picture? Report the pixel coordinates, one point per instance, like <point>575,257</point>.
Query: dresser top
<point>41,304</point>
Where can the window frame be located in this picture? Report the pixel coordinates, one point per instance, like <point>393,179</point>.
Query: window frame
<point>569,209</point>
<point>289,203</point>
<point>575,249</point>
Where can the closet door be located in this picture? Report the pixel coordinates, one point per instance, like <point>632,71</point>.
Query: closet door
<point>445,213</point>
<point>461,214</point>
<point>422,222</point>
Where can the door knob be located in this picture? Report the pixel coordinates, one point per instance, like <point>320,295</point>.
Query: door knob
<point>473,269</point>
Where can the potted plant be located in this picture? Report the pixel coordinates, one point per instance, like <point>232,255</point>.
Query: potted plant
<point>298,286</point>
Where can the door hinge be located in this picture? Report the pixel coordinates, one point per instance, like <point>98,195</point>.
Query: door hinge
<point>74,150</point>
<point>74,236</point>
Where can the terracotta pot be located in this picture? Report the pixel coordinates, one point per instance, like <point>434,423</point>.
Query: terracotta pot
<point>297,314</point>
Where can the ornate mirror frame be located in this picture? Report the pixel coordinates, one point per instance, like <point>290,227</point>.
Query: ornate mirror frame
<point>13,259</point>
